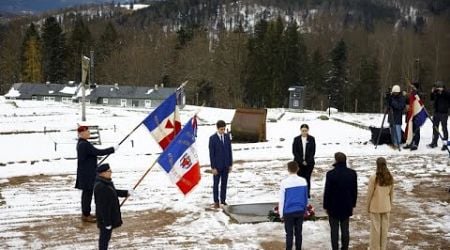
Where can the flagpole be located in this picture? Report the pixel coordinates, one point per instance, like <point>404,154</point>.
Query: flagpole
<point>126,137</point>
<point>140,180</point>
<point>129,134</point>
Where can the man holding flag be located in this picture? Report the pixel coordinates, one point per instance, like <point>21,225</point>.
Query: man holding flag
<point>415,117</point>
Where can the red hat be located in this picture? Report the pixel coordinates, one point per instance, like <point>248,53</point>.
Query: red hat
<point>82,128</point>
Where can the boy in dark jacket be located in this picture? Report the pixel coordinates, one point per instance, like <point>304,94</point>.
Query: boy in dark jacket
<point>339,199</point>
<point>107,205</point>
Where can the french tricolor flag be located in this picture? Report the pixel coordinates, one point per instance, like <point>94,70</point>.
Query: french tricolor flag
<point>416,114</point>
<point>180,159</point>
<point>164,122</point>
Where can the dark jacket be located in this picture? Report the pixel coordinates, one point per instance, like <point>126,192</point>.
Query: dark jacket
<point>441,101</point>
<point>220,154</point>
<point>341,191</point>
<point>87,163</point>
<point>397,104</point>
<point>107,207</point>
<point>297,150</point>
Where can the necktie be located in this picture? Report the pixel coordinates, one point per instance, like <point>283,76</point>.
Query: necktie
<point>221,138</point>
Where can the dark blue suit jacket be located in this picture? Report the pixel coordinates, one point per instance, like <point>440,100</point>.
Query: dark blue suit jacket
<point>220,154</point>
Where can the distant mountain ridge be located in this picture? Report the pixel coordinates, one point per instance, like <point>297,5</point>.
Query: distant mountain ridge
<point>36,6</point>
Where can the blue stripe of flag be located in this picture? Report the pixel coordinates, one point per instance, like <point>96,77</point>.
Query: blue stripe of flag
<point>177,147</point>
<point>420,118</point>
<point>165,109</point>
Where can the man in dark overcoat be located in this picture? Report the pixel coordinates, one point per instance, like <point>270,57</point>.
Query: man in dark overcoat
<point>107,205</point>
<point>339,199</point>
<point>86,165</point>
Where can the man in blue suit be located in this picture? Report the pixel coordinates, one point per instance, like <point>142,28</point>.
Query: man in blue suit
<point>221,159</point>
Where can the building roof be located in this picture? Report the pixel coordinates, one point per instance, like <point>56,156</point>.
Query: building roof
<point>27,90</point>
<point>127,92</point>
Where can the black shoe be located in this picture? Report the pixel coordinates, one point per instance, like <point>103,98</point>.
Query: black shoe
<point>413,147</point>
<point>224,203</point>
<point>407,146</point>
<point>432,145</point>
<point>444,147</point>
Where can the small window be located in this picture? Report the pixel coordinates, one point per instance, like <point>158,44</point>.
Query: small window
<point>123,102</point>
<point>66,99</point>
<point>34,98</point>
<point>49,99</point>
<point>105,100</point>
<point>148,103</point>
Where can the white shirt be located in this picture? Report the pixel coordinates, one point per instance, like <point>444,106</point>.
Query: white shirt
<point>221,137</point>
<point>304,141</point>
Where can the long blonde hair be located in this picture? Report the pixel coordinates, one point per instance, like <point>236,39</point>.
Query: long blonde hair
<point>383,176</point>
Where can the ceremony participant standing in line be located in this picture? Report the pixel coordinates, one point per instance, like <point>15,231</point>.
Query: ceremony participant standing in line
<point>380,194</point>
<point>304,150</point>
<point>221,158</point>
<point>441,98</point>
<point>339,199</point>
<point>107,205</point>
<point>397,104</point>
<point>414,90</point>
<point>292,205</point>
<point>86,165</point>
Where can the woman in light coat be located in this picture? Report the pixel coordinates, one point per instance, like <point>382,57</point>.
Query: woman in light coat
<point>380,194</point>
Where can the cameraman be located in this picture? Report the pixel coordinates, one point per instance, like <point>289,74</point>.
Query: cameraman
<point>441,98</point>
<point>397,105</point>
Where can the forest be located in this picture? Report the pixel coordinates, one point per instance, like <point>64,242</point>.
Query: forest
<point>240,53</point>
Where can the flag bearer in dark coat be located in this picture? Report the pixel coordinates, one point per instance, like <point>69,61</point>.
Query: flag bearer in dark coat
<point>397,104</point>
<point>107,205</point>
<point>87,163</point>
<point>339,199</point>
<point>441,99</point>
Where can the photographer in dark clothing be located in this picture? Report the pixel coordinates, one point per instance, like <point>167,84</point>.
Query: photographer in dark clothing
<point>397,105</point>
<point>441,98</point>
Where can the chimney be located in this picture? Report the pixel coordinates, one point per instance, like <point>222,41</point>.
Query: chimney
<point>156,86</point>
<point>116,85</point>
<point>162,85</point>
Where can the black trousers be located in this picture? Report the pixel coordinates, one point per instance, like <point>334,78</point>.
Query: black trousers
<point>416,138</point>
<point>439,118</point>
<point>335,223</point>
<point>86,199</point>
<point>103,240</point>
<point>293,223</point>
<point>305,171</point>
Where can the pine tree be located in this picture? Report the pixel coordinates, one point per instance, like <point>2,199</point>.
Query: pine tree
<point>368,85</point>
<point>295,60</point>
<point>80,44</point>
<point>257,78</point>
<point>53,51</point>
<point>107,43</point>
<point>337,75</point>
<point>31,67</point>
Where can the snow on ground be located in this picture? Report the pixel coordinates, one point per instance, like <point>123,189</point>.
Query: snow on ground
<point>40,207</point>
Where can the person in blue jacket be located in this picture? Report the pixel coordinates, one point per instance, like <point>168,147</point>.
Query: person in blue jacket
<point>221,158</point>
<point>86,165</point>
<point>292,205</point>
<point>397,104</point>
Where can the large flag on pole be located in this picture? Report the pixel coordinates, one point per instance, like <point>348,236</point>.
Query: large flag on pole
<point>416,115</point>
<point>164,122</point>
<point>180,159</point>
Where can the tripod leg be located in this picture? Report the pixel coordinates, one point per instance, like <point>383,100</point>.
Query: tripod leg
<point>381,127</point>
